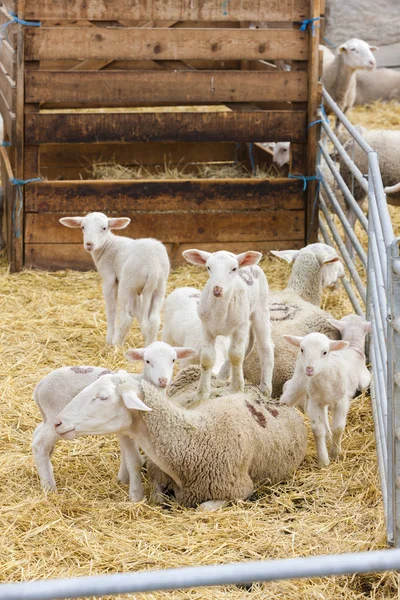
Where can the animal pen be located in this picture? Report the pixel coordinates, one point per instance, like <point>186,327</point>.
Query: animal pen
<point>82,82</point>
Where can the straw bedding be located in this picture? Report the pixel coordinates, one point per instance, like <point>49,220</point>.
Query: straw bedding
<point>90,527</point>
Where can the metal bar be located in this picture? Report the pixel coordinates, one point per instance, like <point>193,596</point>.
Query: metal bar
<point>189,577</point>
<point>376,313</point>
<point>343,219</point>
<point>381,307</point>
<point>386,223</point>
<point>377,226</point>
<point>378,367</point>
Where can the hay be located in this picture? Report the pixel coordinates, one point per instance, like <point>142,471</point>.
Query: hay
<point>379,115</point>
<point>54,319</point>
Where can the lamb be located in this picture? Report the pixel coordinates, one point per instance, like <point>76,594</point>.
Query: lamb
<point>339,70</point>
<point>214,451</point>
<point>233,299</point>
<point>134,274</point>
<point>59,387</point>
<point>326,378</point>
<point>281,152</point>
<point>296,310</point>
<point>382,84</point>
<point>182,326</point>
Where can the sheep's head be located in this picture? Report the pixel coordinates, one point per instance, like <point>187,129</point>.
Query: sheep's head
<point>352,328</point>
<point>357,54</point>
<point>314,351</point>
<point>158,360</point>
<point>222,266</point>
<point>281,153</point>
<point>96,228</point>
<point>103,407</point>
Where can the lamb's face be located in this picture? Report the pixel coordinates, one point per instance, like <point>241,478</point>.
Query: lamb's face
<point>314,352</point>
<point>101,408</point>
<point>96,228</point>
<point>281,153</point>
<point>357,54</point>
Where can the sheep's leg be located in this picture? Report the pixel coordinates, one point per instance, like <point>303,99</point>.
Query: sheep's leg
<point>207,360</point>
<point>339,417</point>
<point>133,463</point>
<point>123,475</point>
<point>351,217</point>
<point>265,348</point>
<point>44,440</point>
<point>211,505</point>
<point>225,371</point>
<point>317,418</point>
<point>237,349</point>
<point>110,292</point>
<point>154,319</point>
<point>128,303</point>
<point>293,393</point>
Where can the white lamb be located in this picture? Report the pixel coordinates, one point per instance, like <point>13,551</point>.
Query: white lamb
<point>324,378</point>
<point>233,300</point>
<point>59,387</point>
<point>134,274</point>
<point>382,84</point>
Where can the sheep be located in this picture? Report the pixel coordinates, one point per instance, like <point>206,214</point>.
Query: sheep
<point>280,150</point>
<point>295,310</point>
<point>59,387</point>
<point>134,274</point>
<point>326,378</point>
<point>232,300</point>
<point>382,84</point>
<point>339,70</point>
<point>217,450</point>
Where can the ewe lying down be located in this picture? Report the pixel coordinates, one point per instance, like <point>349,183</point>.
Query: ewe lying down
<point>218,449</point>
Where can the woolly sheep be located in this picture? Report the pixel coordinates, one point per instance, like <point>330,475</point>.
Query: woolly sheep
<point>339,70</point>
<point>295,310</point>
<point>215,451</point>
<point>59,387</point>
<point>281,152</point>
<point>134,274</point>
<point>232,300</point>
<point>324,378</point>
<point>381,84</point>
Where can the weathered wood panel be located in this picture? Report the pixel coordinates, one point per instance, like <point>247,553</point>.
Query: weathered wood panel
<point>182,227</point>
<point>8,88</point>
<point>164,44</point>
<point>167,195</point>
<point>8,58</point>
<point>118,88</point>
<point>54,257</point>
<point>8,118</point>
<point>11,29</point>
<point>256,126</point>
<point>164,10</point>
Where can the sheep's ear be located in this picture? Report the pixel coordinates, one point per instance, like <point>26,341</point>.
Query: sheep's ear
<point>135,354</point>
<point>119,222</point>
<point>71,221</point>
<point>340,345</point>
<point>288,255</point>
<point>392,189</point>
<point>342,48</point>
<point>294,340</point>
<point>196,257</point>
<point>337,324</point>
<point>133,402</point>
<point>245,259</point>
<point>373,48</point>
<point>367,326</point>
<point>330,260</point>
<point>185,352</point>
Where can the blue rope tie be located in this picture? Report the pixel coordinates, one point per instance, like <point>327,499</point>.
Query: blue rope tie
<point>324,117</point>
<point>305,178</point>
<point>251,158</point>
<point>15,19</point>
<point>5,144</point>
<point>225,7</point>
<point>306,22</point>
<point>17,210</point>
<point>329,43</point>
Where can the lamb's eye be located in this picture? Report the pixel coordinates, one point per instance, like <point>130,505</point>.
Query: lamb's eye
<point>301,349</point>
<point>235,269</point>
<point>103,398</point>
<point>173,360</point>
<point>325,352</point>
<point>83,228</point>
<point>148,362</point>
<point>208,269</point>
<point>104,228</point>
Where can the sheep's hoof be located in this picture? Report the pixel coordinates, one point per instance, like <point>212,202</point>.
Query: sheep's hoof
<point>323,462</point>
<point>49,487</point>
<point>211,505</point>
<point>265,389</point>
<point>334,453</point>
<point>124,478</point>
<point>137,497</point>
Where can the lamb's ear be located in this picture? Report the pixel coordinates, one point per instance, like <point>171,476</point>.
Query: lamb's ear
<point>119,222</point>
<point>135,354</point>
<point>330,259</point>
<point>133,402</point>
<point>340,345</point>
<point>196,257</point>
<point>392,189</point>
<point>71,221</point>
<point>245,259</point>
<point>367,326</point>
<point>373,48</point>
<point>342,48</point>
<point>294,340</point>
<point>336,323</point>
<point>185,352</point>
<point>288,255</point>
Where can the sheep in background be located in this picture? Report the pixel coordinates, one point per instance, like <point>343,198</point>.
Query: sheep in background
<point>381,84</point>
<point>134,274</point>
<point>326,378</point>
<point>215,451</point>
<point>233,300</point>
<point>59,387</point>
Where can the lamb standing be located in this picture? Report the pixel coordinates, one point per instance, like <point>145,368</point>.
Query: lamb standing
<point>233,300</point>
<point>326,378</point>
<point>59,387</point>
<point>134,274</point>
<point>215,451</point>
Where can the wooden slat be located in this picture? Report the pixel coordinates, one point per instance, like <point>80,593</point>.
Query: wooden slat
<point>256,126</point>
<point>11,30</point>
<point>8,118</point>
<point>182,227</point>
<point>116,88</point>
<point>77,197</point>
<point>54,257</point>
<point>8,88</point>
<point>10,5</point>
<point>164,44</point>
<point>164,10</point>
<point>8,58</point>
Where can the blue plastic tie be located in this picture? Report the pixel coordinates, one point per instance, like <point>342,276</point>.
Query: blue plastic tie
<point>5,144</point>
<point>306,22</point>
<point>305,179</point>
<point>225,8</point>
<point>15,19</point>
<point>251,158</point>
<point>329,43</point>
<point>17,210</point>
<point>324,117</point>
